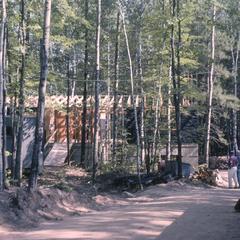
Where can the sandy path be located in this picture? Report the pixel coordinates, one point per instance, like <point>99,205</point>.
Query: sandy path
<point>183,212</point>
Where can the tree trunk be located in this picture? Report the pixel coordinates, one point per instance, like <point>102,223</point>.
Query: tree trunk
<point>68,110</point>
<point>169,125</point>
<point>140,72</point>
<point>210,90</point>
<point>84,113</point>
<point>158,103</point>
<point>39,131</point>
<point>115,87</point>
<point>2,35</point>
<point>14,125</point>
<point>4,159</point>
<point>132,94</point>
<point>96,113</point>
<point>74,75</point>
<point>235,73</point>
<point>176,93</point>
<point>4,144</point>
<point>107,136</point>
<point>18,169</point>
<point>156,131</point>
<point>177,104</point>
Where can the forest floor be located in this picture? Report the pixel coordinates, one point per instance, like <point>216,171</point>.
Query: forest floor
<point>173,211</point>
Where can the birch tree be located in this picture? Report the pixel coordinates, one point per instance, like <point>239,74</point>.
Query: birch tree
<point>97,82</point>
<point>169,122</point>
<point>210,89</point>
<point>132,93</point>
<point>235,57</point>
<point>68,110</point>
<point>115,87</point>
<point>159,93</point>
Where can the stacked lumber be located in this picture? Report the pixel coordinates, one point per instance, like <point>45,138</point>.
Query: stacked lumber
<point>206,175</point>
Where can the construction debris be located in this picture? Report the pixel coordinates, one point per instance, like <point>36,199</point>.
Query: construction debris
<point>208,176</point>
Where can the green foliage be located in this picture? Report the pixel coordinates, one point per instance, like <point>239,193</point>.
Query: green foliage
<point>153,21</point>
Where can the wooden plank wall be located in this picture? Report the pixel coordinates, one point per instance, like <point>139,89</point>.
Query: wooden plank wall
<point>55,122</point>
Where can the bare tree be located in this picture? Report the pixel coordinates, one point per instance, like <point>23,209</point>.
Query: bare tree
<point>39,131</point>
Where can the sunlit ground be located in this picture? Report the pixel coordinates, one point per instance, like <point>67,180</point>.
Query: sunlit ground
<point>189,214</point>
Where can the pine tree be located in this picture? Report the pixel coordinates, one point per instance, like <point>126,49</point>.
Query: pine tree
<point>2,41</point>
<point>39,131</point>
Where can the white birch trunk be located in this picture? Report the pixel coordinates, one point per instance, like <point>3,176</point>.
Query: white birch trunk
<point>140,72</point>
<point>96,113</point>
<point>169,105</point>
<point>235,73</point>
<point>132,93</point>
<point>115,89</point>
<point>210,90</point>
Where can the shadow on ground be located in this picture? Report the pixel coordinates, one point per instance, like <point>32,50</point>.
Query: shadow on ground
<point>156,214</point>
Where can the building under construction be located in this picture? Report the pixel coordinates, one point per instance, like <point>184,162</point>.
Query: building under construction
<point>55,126</point>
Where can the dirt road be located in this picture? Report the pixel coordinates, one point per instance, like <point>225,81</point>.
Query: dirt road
<point>165,212</point>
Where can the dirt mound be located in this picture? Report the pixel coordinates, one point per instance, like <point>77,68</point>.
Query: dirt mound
<point>24,209</point>
<point>68,191</point>
<point>58,195</point>
<point>64,191</point>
